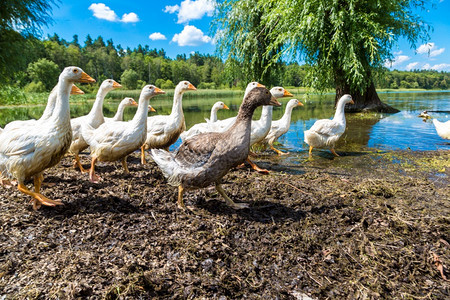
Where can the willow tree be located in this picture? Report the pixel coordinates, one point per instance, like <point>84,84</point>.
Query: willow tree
<point>245,41</point>
<point>345,42</point>
<point>20,20</point>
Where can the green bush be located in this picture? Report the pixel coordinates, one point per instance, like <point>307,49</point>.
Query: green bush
<point>141,84</point>
<point>35,87</point>
<point>168,84</point>
<point>130,79</point>
<point>44,71</point>
<point>207,85</point>
<point>159,82</point>
<point>10,95</point>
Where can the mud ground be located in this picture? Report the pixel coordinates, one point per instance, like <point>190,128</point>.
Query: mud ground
<point>361,226</point>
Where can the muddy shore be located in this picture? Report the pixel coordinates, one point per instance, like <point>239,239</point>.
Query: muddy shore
<point>361,226</point>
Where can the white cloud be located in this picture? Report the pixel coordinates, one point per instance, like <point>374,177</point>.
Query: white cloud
<point>426,67</point>
<point>412,66</point>
<point>437,52</point>
<point>192,9</point>
<point>190,36</point>
<point>398,53</point>
<point>172,9</point>
<point>157,36</point>
<point>101,11</point>
<point>398,60</point>
<point>430,49</point>
<point>441,67</point>
<point>130,18</point>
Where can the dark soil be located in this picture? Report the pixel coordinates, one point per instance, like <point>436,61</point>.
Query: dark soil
<point>361,226</point>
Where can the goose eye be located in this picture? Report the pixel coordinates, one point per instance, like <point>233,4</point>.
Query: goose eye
<point>75,70</point>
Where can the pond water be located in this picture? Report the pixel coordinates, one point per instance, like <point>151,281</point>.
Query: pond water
<point>400,131</point>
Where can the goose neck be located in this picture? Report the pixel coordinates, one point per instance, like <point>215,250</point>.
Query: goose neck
<point>142,111</point>
<point>61,111</point>
<point>97,107</point>
<point>339,115</point>
<point>119,114</point>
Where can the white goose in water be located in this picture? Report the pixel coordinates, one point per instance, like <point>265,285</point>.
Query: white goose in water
<point>325,132</point>
<point>205,158</point>
<point>25,153</point>
<point>222,125</point>
<point>281,126</point>
<point>95,118</point>
<point>442,129</point>
<point>203,127</point>
<point>261,127</point>
<point>48,108</point>
<point>114,141</point>
<point>163,131</point>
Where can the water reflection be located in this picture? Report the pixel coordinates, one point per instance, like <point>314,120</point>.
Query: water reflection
<point>403,130</point>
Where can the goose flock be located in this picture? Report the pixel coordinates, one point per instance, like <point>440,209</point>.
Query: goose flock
<point>207,152</point>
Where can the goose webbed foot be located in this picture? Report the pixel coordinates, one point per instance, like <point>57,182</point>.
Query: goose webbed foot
<point>230,202</point>
<point>38,199</point>
<point>334,152</point>
<point>278,151</point>
<point>256,168</point>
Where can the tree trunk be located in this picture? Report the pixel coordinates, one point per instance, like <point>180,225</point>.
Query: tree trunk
<point>366,102</point>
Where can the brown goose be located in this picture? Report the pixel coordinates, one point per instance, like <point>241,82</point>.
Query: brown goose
<point>206,158</point>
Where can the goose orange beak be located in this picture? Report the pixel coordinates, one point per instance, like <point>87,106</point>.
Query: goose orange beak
<point>76,90</point>
<point>225,106</point>
<point>150,108</point>
<point>274,102</point>
<point>300,104</point>
<point>287,94</point>
<point>159,91</point>
<point>352,102</point>
<point>85,78</point>
<point>116,85</point>
<point>134,103</point>
<point>260,85</point>
<point>191,87</point>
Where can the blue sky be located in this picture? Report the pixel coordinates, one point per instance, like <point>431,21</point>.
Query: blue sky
<point>183,26</point>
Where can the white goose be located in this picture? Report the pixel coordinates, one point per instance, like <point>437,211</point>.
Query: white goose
<point>120,109</point>
<point>95,118</point>
<point>282,125</point>
<point>222,125</point>
<point>203,127</point>
<point>27,152</point>
<point>114,141</point>
<point>261,127</point>
<point>327,132</point>
<point>442,129</point>
<point>163,131</point>
<point>48,108</point>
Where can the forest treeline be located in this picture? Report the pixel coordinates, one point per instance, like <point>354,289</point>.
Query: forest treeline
<point>41,62</point>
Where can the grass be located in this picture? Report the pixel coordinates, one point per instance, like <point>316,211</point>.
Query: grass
<point>15,96</point>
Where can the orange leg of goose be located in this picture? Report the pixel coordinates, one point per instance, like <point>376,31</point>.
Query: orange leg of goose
<point>38,198</point>
<point>78,164</point>
<point>92,177</point>
<point>256,168</point>
<point>143,154</point>
<point>125,166</point>
<point>180,202</point>
<point>310,150</point>
<point>278,151</point>
<point>230,202</point>
<point>334,152</point>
